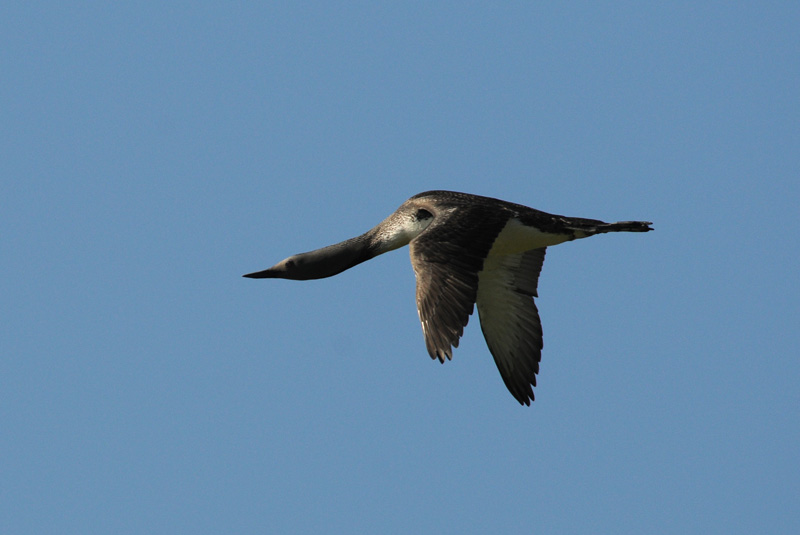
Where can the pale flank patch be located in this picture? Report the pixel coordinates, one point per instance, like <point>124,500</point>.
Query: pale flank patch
<point>517,238</point>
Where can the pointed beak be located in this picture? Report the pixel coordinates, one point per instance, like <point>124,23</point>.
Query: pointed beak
<point>278,271</point>
<point>266,274</point>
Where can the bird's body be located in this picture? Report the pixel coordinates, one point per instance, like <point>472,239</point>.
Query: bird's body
<point>466,250</point>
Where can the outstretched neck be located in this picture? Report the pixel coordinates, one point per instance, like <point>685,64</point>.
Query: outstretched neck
<point>395,231</point>
<point>334,259</point>
<point>322,263</point>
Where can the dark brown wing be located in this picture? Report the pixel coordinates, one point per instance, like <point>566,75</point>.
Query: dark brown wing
<point>446,258</point>
<point>510,320</point>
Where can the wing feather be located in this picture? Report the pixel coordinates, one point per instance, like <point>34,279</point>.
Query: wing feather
<point>447,258</point>
<point>510,320</point>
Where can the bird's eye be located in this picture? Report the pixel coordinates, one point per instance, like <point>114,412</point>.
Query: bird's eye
<point>423,214</point>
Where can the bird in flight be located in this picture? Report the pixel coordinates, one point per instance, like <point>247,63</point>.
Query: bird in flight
<point>466,250</point>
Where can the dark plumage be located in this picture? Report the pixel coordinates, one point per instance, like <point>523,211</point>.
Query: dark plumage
<point>466,249</point>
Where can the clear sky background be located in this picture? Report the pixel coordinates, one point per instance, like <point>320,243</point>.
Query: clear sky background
<point>153,153</point>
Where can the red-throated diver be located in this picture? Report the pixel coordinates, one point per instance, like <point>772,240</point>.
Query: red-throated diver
<point>466,250</point>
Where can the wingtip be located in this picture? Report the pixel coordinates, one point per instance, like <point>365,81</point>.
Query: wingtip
<point>524,399</point>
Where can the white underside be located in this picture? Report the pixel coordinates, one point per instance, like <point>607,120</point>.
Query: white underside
<point>518,238</point>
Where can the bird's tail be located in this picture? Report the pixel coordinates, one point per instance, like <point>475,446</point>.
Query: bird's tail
<point>590,227</point>
<point>625,226</point>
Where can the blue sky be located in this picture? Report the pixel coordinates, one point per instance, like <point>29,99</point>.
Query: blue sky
<point>153,153</point>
